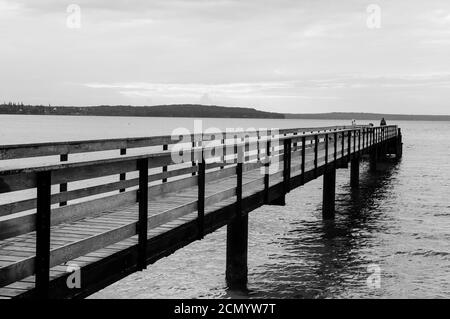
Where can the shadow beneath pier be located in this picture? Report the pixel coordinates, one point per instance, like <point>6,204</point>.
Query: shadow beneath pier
<point>322,259</point>
<point>359,206</point>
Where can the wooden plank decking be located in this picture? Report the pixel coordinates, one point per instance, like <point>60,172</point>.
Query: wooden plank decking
<point>100,235</point>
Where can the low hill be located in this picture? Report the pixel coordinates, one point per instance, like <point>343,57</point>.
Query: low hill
<point>199,111</point>
<point>180,110</point>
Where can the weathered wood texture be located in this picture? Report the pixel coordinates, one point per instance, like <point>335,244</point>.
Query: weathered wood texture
<point>103,230</point>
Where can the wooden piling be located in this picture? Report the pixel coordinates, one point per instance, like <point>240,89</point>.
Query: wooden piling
<point>399,145</point>
<point>201,197</point>
<point>237,252</point>
<point>43,220</point>
<point>354,172</point>
<point>267,171</point>
<point>329,193</point>
<point>143,212</point>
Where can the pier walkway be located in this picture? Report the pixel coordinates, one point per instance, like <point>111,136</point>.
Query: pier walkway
<point>75,218</point>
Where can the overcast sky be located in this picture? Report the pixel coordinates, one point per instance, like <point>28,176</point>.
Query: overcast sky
<point>276,55</point>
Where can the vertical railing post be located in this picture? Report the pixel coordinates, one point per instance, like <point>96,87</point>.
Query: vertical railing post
<point>201,195</point>
<point>266,170</point>
<point>290,161</point>
<point>343,147</point>
<point>235,149</point>
<point>316,153</point>
<point>378,142</point>
<point>303,158</point>
<point>122,176</point>
<point>224,152</point>
<point>359,142</point>
<point>326,149</point>
<point>193,156</point>
<point>142,166</point>
<point>399,144</point>
<point>43,219</point>
<point>373,138</point>
<point>247,149</point>
<point>239,168</point>
<point>258,151</point>
<point>63,186</point>
<point>287,165</point>
<point>295,143</point>
<point>349,146</point>
<point>164,169</point>
<point>335,148</point>
<point>364,140</point>
<point>378,135</point>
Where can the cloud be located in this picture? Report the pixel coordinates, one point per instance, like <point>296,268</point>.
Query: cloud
<point>267,53</point>
<point>207,93</point>
<point>235,90</point>
<point>281,89</point>
<point>9,9</point>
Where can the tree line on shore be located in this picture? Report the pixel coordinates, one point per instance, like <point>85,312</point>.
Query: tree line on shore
<point>199,111</point>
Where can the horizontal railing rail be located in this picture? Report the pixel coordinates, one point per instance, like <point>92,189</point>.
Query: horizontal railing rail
<point>17,151</point>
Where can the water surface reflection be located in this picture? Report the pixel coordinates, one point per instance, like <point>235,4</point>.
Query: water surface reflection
<point>319,258</point>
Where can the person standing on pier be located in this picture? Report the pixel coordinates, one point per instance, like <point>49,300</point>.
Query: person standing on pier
<point>383,122</point>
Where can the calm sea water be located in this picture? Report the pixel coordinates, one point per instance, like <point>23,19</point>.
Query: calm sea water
<point>398,222</point>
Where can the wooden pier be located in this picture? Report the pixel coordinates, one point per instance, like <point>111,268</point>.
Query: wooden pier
<point>104,217</point>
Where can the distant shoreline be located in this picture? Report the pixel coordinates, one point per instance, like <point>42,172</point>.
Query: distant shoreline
<point>201,111</point>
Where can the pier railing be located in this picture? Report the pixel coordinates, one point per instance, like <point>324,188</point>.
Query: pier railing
<point>30,200</point>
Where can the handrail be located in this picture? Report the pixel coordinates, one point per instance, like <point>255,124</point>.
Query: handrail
<point>99,145</point>
<point>195,151</point>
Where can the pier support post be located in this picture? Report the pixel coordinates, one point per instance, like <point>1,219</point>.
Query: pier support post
<point>43,212</point>
<point>142,165</point>
<point>399,146</point>
<point>329,193</point>
<point>237,250</point>
<point>237,236</point>
<point>373,159</point>
<point>354,173</point>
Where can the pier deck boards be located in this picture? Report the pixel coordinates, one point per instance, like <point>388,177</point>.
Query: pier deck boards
<point>173,220</point>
